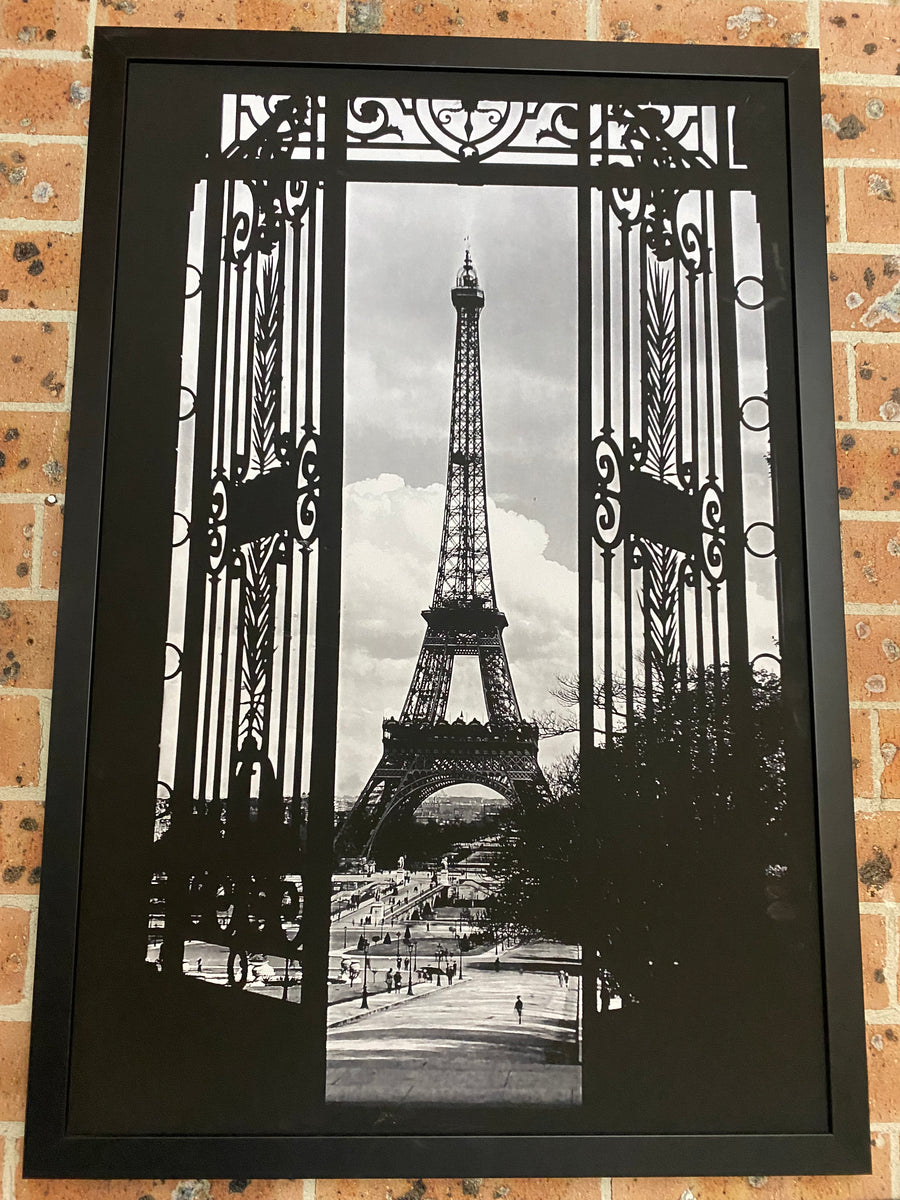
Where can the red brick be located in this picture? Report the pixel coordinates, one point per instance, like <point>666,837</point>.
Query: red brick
<point>873,658</point>
<point>13,1069</point>
<point>878,855</point>
<point>889,741</point>
<point>872,195</point>
<point>473,18</point>
<point>26,643</point>
<point>719,22</point>
<point>13,953</point>
<point>20,740</point>
<point>40,270</point>
<point>287,14</point>
<point>456,1189</point>
<point>871,561</point>
<point>876,1186</point>
<point>861,743</point>
<point>34,447</point>
<point>864,291</point>
<point>860,122</point>
<point>883,1047</point>
<point>33,356</point>
<point>874,954</point>
<point>878,382</point>
<point>44,97</point>
<point>42,182</point>
<point>51,549</point>
<point>869,469</point>
<point>43,24</point>
<point>21,823</point>
<point>839,375</point>
<point>862,38</point>
<point>16,540</point>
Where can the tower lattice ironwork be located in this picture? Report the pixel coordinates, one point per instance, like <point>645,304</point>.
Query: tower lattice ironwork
<point>422,751</point>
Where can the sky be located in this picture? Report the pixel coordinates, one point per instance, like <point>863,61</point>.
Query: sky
<point>405,243</point>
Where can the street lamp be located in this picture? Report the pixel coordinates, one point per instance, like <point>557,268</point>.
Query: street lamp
<point>410,950</point>
<point>460,959</point>
<point>365,991</point>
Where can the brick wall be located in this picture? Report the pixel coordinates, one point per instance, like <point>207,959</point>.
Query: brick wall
<point>45,72</point>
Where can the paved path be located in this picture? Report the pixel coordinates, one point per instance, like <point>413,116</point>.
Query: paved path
<point>463,1044</point>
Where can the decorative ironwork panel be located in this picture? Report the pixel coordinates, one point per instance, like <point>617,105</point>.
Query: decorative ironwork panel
<point>236,729</point>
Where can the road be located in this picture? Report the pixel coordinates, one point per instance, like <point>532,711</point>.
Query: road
<point>464,1044</point>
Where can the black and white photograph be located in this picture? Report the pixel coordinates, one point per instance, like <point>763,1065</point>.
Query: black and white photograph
<point>473,785</point>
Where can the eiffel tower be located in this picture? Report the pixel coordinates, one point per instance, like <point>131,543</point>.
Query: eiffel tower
<point>422,751</point>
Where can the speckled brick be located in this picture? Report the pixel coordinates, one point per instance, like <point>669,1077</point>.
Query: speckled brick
<point>861,750</point>
<point>26,643</point>
<point>475,18</point>
<point>152,1189</point>
<point>20,740</point>
<point>711,22</point>
<point>871,556</point>
<point>33,451</point>
<point>860,122</point>
<point>33,357</point>
<point>40,182</point>
<point>51,546</point>
<point>14,924</point>
<point>873,657</point>
<point>43,24</point>
<point>878,855</point>
<point>889,745</point>
<point>45,97</point>
<point>861,37</point>
<point>868,469</point>
<point>883,1047</point>
<point>458,1189</point>
<point>21,826</point>
<point>13,1069</point>
<point>39,270</point>
<point>864,291</point>
<point>16,541</point>
<point>873,203</point>
<point>878,382</point>
<point>873,929</point>
<point>298,15</point>
<point>876,1186</point>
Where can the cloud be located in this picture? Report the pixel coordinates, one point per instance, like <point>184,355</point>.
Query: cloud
<point>391,540</point>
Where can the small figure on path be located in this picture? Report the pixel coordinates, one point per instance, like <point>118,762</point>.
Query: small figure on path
<point>497,963</point>
<point>518,1007</point>
<point>559,976</point>
<point>199,965</point>
<point>389,978</point>
<point>566,977</point>
<point>398,979</point>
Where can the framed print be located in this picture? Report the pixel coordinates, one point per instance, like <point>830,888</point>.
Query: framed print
<point>450,757</point>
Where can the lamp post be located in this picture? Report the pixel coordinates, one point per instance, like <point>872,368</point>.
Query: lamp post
<point>409,959</point>
<point>365,991</point>
<point>460,959</point>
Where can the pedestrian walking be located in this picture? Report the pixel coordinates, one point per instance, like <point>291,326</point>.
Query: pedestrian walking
<point>398,979</point>
<point>566,977</point>
<point>199,965</point>
<point>518,1007</point>
<point>497,962</point>
<point>559,976</point>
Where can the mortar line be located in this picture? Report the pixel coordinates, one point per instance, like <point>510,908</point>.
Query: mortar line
<point>895,1161</point>
<point>875,751</point>
<point>842,205</point>
<point>861,514</point>
<point>864,335</point>
<point>606,1188</point>
<point>342,16</point>
<point>40,55</point>
<point>812,23</point>
<point>35,407</point>
<point>871,610</point>
<point>309,1189</point>
<point>844,247</point>
<point>9,1168</point>
<point>30,497</point>
<point>884,426</point>
<point>29,593</point>
<point>46,139</point>
<point>23,900</point>
<point>859,78</point>
<point>26,225</point>
<point>861,162</point>
<point>592,21</point>
<point>28,984</point>
<point>37,544</point>
<point>38,314</point>
<point>44,707</point>
<point>850,368</point>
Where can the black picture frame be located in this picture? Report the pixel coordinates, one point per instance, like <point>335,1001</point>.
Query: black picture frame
<point>125,358</point>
